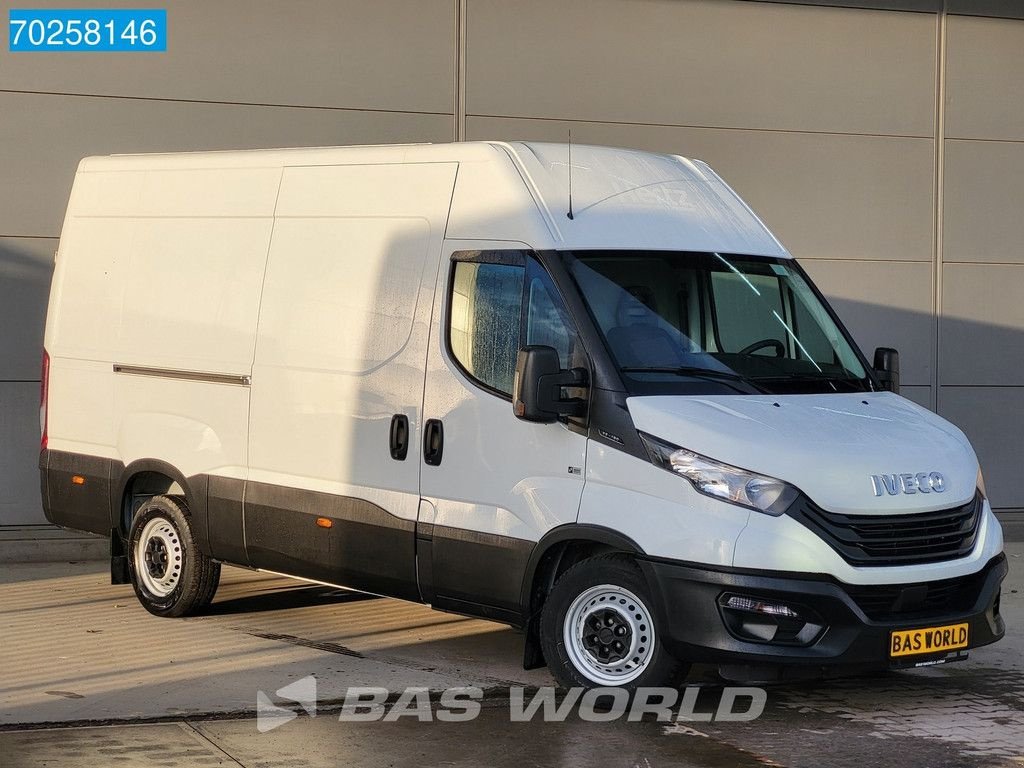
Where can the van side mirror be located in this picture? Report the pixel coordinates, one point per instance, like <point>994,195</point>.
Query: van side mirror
<point>538,383</point>
<point>887,368</point>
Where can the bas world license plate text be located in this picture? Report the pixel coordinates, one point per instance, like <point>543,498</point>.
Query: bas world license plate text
<point>910,642</point>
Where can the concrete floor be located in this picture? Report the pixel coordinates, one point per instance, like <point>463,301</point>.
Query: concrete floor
<point>104,657</point>
<point>87,677</point>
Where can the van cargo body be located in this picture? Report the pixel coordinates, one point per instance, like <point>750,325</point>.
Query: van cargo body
<point>626,421</point>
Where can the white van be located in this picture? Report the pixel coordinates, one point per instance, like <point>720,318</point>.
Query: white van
<point>620,417</point>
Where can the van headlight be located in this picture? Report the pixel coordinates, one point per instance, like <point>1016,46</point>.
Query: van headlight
<point>722,481</point>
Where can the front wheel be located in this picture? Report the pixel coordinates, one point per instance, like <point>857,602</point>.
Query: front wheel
<point>170,575</point>
<point>598,629</point>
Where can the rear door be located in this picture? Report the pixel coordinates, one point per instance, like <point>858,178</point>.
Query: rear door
<point>492,484</point>
<point>341,350</point>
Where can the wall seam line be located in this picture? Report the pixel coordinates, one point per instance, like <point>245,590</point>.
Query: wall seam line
<point>940,168</point>
<point>222,103</point>
<point>460,70</point>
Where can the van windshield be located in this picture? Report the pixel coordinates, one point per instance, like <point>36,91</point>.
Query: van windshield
<point>692,323</point>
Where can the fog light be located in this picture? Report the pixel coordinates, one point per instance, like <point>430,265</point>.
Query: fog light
<point>738,603</point>
<point>768,621</point>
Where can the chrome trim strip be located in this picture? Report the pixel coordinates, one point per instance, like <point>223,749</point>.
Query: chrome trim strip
<point>173,373</point>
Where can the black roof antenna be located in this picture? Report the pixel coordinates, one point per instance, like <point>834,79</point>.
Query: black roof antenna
<point>569,214</point>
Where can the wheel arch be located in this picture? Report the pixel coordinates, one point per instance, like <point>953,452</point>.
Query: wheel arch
<point>557,550</point>
<point>145,478</point>
<point>548,558</point>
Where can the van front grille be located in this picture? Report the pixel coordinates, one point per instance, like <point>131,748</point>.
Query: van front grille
<point>926,537</point>
<point>888,602</point>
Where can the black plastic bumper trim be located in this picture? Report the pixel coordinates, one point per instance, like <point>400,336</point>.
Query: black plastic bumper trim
<point>692,627</point>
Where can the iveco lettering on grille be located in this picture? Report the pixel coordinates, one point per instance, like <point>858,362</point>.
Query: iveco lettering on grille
<point>920,482</point>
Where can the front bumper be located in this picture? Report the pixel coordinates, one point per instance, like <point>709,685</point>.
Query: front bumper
<point>856,626</point>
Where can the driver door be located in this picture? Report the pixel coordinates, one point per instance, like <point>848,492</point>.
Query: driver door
<point>498,483</point>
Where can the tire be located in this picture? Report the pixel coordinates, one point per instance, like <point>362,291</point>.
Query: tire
<point>606,590</point>
<point>170,575</point>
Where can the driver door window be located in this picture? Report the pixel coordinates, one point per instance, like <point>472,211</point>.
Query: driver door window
<point>495,308</point>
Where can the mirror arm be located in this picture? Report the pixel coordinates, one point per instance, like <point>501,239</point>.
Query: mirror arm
<point>572,378</point>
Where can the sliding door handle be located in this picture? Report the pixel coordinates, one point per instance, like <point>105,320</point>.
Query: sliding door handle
<point>399,436</point>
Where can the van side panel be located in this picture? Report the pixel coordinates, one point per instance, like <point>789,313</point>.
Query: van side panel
<point>341,351</point>
<point>152,326</point>
<point>191,293</point>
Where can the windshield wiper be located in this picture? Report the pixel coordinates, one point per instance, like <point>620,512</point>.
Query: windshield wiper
<point>725,377</point>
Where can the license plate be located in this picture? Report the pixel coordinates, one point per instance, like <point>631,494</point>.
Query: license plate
<point>913,642</point>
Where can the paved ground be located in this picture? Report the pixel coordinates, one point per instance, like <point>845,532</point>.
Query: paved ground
<point>76,651</point>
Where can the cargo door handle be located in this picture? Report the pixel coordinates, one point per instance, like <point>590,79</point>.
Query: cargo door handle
<point>433,442</point>
<point>399,436</point>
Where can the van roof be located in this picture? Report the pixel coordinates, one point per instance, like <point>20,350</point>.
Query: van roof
<point>621,198</point>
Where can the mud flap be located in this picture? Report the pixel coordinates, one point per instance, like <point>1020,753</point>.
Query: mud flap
<point>118,559</point>
<point>533,657</point>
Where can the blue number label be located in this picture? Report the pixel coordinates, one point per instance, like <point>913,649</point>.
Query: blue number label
<point>87,30</point>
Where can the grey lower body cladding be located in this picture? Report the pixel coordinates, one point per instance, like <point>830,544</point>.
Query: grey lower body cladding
<point>364,546</point>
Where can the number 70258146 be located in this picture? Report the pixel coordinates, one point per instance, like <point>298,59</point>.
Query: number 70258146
<point>81,30</point>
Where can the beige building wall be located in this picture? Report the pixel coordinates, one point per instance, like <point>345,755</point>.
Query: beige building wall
<point>884,147</point>
<point>981,297</point>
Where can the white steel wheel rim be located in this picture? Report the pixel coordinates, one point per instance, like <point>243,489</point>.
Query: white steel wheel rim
<point>159,557</point>
<point>609,607</point>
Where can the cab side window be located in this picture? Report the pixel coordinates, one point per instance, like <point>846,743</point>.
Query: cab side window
<point>499,302</point>
<point>486,307</point>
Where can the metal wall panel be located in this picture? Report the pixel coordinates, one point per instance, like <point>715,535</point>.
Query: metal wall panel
<point>1003,9</point>
<point>19,453</point>
<point>991,417</point>
<point>920,395</point>
<point>982,206</point>
<point>985,78</point>
<point>982,326</point>
<point>703,63</point>
<point>984,186</point>
<point>25,269</point>
<point>386,54</point>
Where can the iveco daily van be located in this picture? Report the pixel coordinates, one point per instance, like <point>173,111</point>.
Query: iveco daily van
<point>592,398</point>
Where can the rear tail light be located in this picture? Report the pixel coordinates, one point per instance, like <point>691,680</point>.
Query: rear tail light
<point>44,396</point>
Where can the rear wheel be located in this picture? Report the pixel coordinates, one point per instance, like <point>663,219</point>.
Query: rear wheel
<point>170,575</point>
<point>598,629</point>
